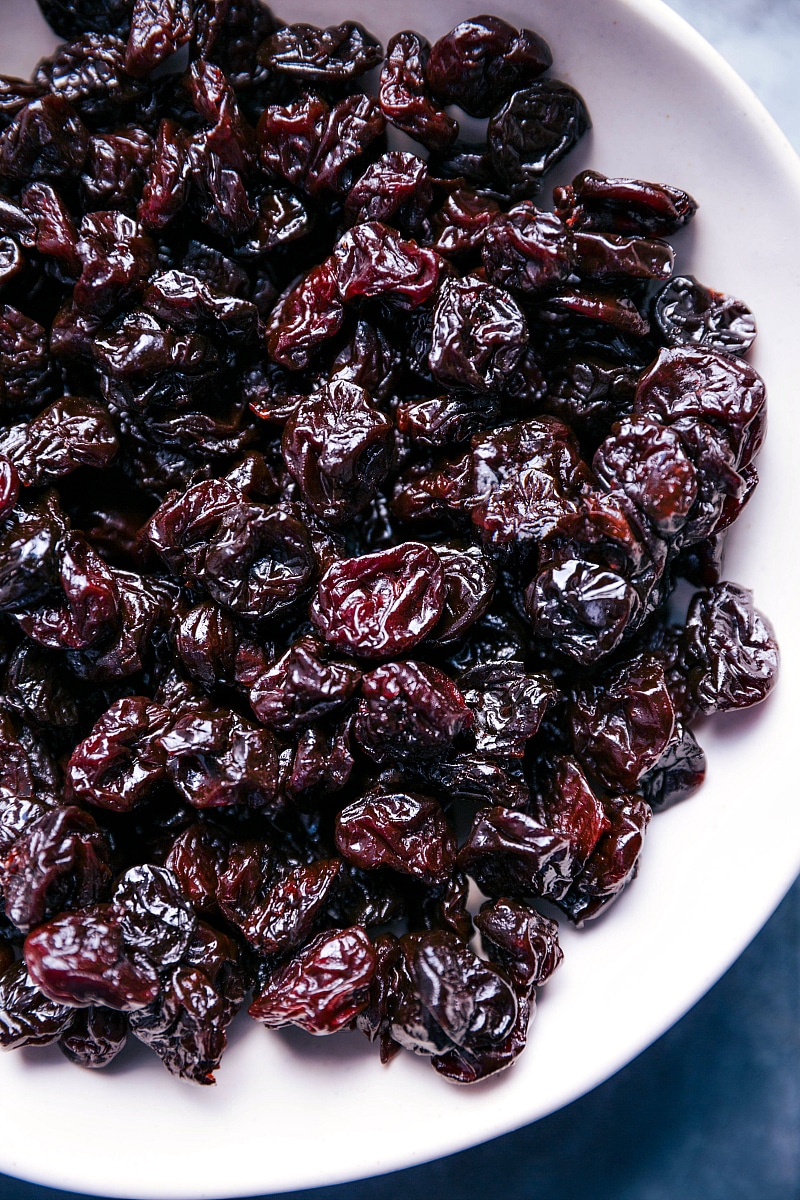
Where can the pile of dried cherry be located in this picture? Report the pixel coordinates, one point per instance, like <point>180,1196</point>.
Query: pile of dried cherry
<point>343,493</point>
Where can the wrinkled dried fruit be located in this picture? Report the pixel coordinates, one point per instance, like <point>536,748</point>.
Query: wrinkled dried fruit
<point>533,131</point>
<point>508,853</point>
<point>61,861</point>
<point>95,1037</point>
<point>81,959</point>
<point>730,650</point>
<point>380,604</point>
<point>520,940</point>
<point>408,833</point>
<point>622,724</point>
<point>27,1016</point>
<point>409,711</point>
<point>323,988</point>
<point>480,62</point>
<point>338,447</point>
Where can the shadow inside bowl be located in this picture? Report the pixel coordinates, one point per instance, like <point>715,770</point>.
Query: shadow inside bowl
<point>731,726</point>
<point>347,1046</point>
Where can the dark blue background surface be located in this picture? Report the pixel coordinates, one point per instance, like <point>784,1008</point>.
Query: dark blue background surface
<point>710,1112</point>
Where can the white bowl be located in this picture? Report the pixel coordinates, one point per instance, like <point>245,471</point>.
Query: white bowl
<point>292,1111</point>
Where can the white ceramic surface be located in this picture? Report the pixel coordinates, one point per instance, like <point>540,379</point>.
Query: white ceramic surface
<point>290,1111</point>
